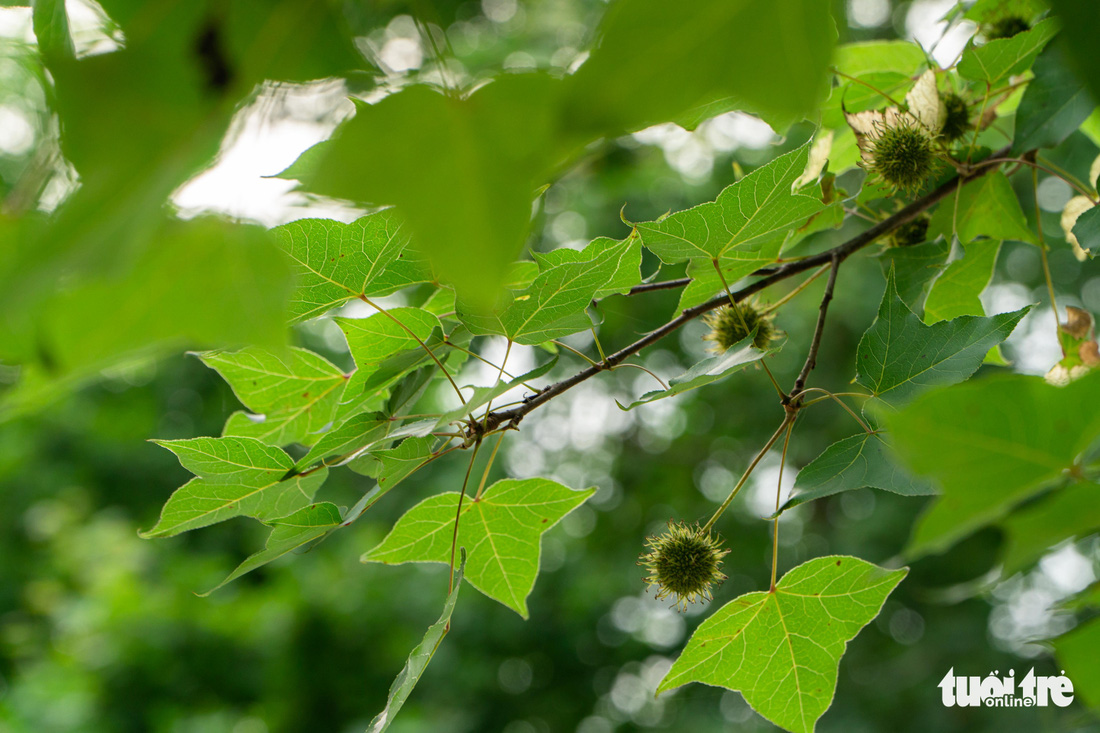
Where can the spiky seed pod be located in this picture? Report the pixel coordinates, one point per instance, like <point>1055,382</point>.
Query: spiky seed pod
<point>731,324</point>
<point>683,562</point>
<point>957,122</point>
<point>913,232</point>
<point>1006,27</point>
<point>901,154</point>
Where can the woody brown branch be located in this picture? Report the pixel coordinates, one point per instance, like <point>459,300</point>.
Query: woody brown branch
<point>511,417</point>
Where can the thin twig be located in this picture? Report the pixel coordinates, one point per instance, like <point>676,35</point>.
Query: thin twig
<point>815,343</point>
<point>663,285</point>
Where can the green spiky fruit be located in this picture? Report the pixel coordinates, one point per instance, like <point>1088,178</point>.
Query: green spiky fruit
<point>732,324</point>
<point>1007,27</point>
<point>913,232</point>
<point>903,155</point>
<point>957,122</point>
<point>683,562</point>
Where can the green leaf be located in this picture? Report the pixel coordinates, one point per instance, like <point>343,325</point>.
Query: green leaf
<point>865,91</point>
<point>1076,652</point>
<point>51,29</point>
<point>418,660</point>
<point>955,292</point>
<point>378,337</point>
<point>296,391</point>
<point>1067,512</point>
<point>288,534</point>
<point>335,262</point>
<point>987,207</point>
<point>1087,230</point>
<point>1080,19</point>
<point>483,395</point>
<point>901,57</point>
<point>234,477</point>
<point>863,460</point>
<point>391,466</point>
<point>356,433</point>
<point>625,261</point>
<point>656,61</point>
<point>997,60</point>
<point>899,356</point>
<point>914,267</point>
<point>990,444</point>
<point>782,649</point>
<point>372,392</point>
<point>206,283</point>
<point>1053,106</point>
<point>554,304</point>
<point>289,40</point>
<point>502,532</point>
<point>736,264</point>
<point>990,11</point>
<point>461,170</point>
<point>711,369</point>
<point>746,216</point>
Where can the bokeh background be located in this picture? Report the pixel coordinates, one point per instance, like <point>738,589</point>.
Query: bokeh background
<point>103,631</point>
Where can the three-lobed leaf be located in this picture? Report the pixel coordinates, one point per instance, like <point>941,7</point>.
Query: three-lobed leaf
<point>899,356</point>
<point>234,476</point>
<point>554,304</point>
<point>287,535</point>
<point>863,460</point>
<point>745,216</point>
<point>380,336</point>
<point>782,649</point>
<point>997,60</point>
<point>501,530</point>
<point>293,394</point>
<point>335,262</point>
<point>625,260</point>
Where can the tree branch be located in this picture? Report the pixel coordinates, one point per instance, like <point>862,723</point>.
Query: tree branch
<point>663,285</point>
<point>815,342</point>
<point>834,256</point>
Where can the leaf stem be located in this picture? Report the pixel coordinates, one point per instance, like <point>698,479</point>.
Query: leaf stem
<point>794,293</point>
<point>575,351</point>
<point>778,497</point>
<point>830,395</point>
<point>873,88</point>
<point>639,366</point>
<point>489,465</point>
<point>745,325</point>
<point>458,515</point>
<point>1043,252</point>
<point>748,472</point>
